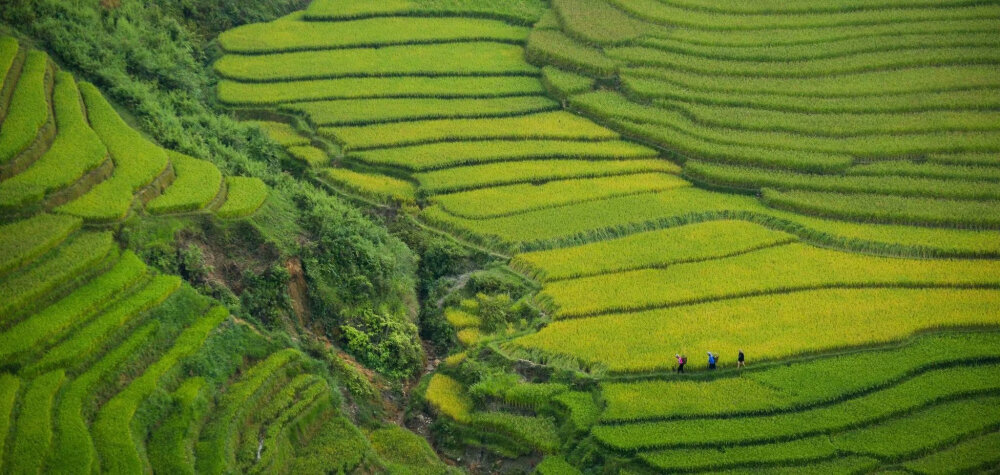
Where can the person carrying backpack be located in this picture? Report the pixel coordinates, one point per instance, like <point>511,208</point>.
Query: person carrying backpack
<point>712,359</point>
<point>681,361</point>
<point>740,363</point>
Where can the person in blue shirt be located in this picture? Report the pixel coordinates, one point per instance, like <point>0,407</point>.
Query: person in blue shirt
<point>712,358</point>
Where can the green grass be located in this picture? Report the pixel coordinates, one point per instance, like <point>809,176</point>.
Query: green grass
<point>241,93</point>
<point>538,432</point>
<point>75,151</point>
<point>523,12</point>
<point>49,324</point>
<point>92,337</point>
<point>873,208</point>
<point>244,195</point>
<point>766,388</point>
<point>766,327</point>
<point>196,184</point>
<point>554,48</point>
<point>383,188</point>
<point>534,171</point>
<point>137,163</point>
<point>867,409</point>
<point>405,452</point>
<point>650,249</point>
<point>449,397</point>
<point>292,35</point>
<point>447,154</point>
<point>112,427</point>
<point>21,290</point>
<point>375,111</point>
<point>457,59</point>
<point>33,429</point>
<point>776,269</point>
<point>564,83</point>
<point>9,385</point>
<point>755,178</point>
<point>282,133</point>
<point>23,241</point>
<point>73,449</point>
<point>170,446</point>
<point>968,455</point>
<point>28,110</point>
<point>517,199</point>
<point>926,170</point>
<point>547,125</point>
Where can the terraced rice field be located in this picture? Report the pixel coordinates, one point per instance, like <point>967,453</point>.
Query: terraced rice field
<point>814,183</point>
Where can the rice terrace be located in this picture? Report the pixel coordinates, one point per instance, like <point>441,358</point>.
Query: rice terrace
<point>499,236</point>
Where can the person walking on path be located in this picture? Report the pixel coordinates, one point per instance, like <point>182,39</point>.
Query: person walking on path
<point>740,360</point>
<point>712,358</point>
<point>681,361</point>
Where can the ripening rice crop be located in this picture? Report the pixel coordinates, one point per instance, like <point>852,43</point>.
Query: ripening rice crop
<point>516,199</point>
<point>767,327</point>
<point>381,187</point>
<point>457,59</point>
<point>650,249</point>
<point>196,184</point>
<point>246,93</point>
<point>375,111</point>
<point>534,171</point>
<point>449,397</point>
<point>446,154</point>
<point>244,195</point>
<point>547,125</point>
<point>286,35</point>
<point>310,155</point>
<point>769,270</point>
<point>598,22</point>
<point>927,170</point>
<point>24,240</point>
<point>563,84</point>
<point>28,110</point>
<point>805,6</point>
<point>523,12</point>
<point>282,133</point>
<point>75,151</point>
<point>555,48</point>
<point>8,51</point>
<point>137,162</point>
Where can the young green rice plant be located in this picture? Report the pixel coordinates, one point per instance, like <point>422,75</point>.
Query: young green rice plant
<point>776,269</point>
<point>9,384</point>
<point>597,22</point>
<point>546,125</point>
<point>448,154</point>
<point>336,446</point>
<point>516,199</point>
<point>535,171</point>
<point>650,249</point>
<point>33,429</point>
<point>449,398</point>
<point>112,427</point>
<point>656,11</point>
<point>766,327</point>
<point>215,450</point>
<point>92,337</point>
<point>49,324</point>
<point>276,442</point>
<point>197,183</point>
<point>523,12</point>
<point>169,448</point>
<point>966,456</point>
<point>745,178</point>
<point>376,111</point>
<point>924,430</point>
<point>801,450</point>
<point>930,388</point>
<point>22,241</point>
<point>28,110</point>
<point>983,159</point>
<point>873,208</point>
<point>288,34</point>
<point>563,84</point>
<point>137,163</point>
<point>8,51</point>
<point>310,155</point>
<point>249,93</point>
<point>556,465</point>
<point>21,290</point>
<point>533,396</point>
<point>825,6</point>
<point>583,410</point>
<point>383,188</point>
<point>787,387</point>
<point>454,59</point>
<point>280,132</point>
<point>405,452</point>
<point>244,195</point>
<point>554,48</point>
<point>75,151</point>
<point>927,170</point>
<point>72,448</point>
<point>538,432</point>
